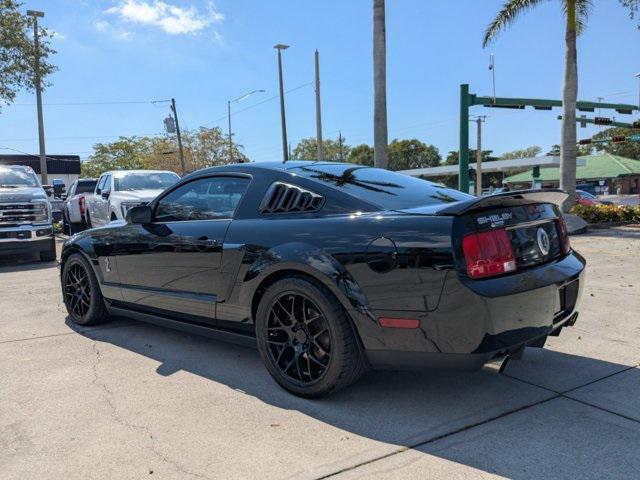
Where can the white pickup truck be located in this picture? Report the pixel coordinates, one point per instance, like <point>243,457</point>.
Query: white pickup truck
<point>118,191</point>
<point>74,208</point>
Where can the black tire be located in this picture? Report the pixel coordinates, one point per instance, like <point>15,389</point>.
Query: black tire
<point>113,217</point>
<point>327,345</point>
<point>89,225</point>
<point>81,292</point>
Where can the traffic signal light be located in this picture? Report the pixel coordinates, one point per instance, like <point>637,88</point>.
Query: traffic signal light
<point>472,174</point>
<point>602,121</point>
<point>586,141</point>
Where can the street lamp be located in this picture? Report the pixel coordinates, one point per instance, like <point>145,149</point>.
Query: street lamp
<point>239,99</point>
<point>285,152</point>
<point>36,39</point>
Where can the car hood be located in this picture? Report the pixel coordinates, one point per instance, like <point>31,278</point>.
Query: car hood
<point>137,195</point>
<point>23,194</point>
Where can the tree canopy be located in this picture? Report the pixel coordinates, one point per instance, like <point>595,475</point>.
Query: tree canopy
<point>623,149</point>
<point>307,149</point>
<point>407,154</point>
<point>205,147</point>
<point>634,8</point>
<point>532,151</point>
<point>361,154</point>
<point>18,53</point>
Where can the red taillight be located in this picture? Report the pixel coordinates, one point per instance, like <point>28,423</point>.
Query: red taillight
<point>563,234</point>
<point>81,205</point>
<point>488,253</point>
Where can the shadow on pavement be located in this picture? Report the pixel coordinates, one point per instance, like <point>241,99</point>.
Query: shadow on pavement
<point>403,408</point>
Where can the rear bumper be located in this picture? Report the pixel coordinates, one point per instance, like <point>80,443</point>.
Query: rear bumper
<point>476,321</point>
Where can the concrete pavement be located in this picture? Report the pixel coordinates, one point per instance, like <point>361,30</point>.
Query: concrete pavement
<point>129,400</point>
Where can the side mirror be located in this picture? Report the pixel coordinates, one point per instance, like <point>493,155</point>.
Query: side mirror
<point>141,214</point>
<point>105,195</point>
<point>98,191</point>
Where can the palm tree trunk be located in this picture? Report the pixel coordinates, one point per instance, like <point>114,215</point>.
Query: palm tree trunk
<point>379,86</point>
<point>569,99</point>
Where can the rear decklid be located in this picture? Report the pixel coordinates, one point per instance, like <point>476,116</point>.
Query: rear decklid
<point>528,221</point>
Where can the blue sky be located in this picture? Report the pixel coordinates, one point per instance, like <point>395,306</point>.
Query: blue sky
<point>204,53</point>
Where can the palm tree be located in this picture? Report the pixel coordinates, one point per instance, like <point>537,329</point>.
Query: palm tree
<point>575,13</point>
<point>379,86</point>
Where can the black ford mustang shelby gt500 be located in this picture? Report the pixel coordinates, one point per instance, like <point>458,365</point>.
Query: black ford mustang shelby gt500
<point>333,268</point>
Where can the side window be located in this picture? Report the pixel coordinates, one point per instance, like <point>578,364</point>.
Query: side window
<point>107,184</point>
<point>204,199</point>
<point>101,184</point>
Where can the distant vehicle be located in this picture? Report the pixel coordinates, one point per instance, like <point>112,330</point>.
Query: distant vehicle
<point>25,214</point>
<point>332,268</point>
<point>118,191</point>
<point>74,207</point>
<point>587,199</point>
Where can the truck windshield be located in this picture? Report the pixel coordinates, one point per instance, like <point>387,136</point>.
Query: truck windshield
<point>10,178</point>
<point>145,181</point>
<point>86,186</point>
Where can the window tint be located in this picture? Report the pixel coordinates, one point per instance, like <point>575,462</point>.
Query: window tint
<point>204,199</point>
<point>385,189</point>
<point>85,186</point>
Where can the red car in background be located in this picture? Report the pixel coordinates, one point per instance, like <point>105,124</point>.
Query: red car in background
<point>587,199</point>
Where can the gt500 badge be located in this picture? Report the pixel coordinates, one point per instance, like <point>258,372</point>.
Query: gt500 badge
<point>496,219</point>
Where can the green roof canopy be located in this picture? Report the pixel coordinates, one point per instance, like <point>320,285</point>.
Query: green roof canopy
<point>597,167</point>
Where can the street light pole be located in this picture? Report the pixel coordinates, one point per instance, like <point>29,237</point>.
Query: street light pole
<point>638,77</point>
<point>36,38</point>
<point>240,98</point>
<point>285,153</point>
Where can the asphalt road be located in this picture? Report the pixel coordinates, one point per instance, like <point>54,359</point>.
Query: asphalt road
<point>131,401</point>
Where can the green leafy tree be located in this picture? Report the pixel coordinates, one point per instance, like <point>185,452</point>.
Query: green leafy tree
<point>575,17</point>
<point>18,53</point>
<point>623,149</point>
<point>528,152</point>
<point>205,147</point>
<point>361,154</point>
<point>306,149</point>
<point>487,156</point>
<point>407,154</point>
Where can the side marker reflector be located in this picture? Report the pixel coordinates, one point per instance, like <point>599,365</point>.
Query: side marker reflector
<point>399,322</point>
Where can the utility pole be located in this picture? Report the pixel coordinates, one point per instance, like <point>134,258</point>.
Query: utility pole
<point>380,133</point>
<point>479,120</point>
<point>340,142</point>
<point>38,84</point>
<point>175,118</point>
<point>492,67</point>
<point>638,77</point>
<point>318,112</point>
<point>285,153</point>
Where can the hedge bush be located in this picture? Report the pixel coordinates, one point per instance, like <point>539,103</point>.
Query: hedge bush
<point>607,213</point>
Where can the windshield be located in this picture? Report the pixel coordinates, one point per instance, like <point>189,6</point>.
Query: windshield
<point>385,189</point>
<point>586,195</point>
<point>17,178</point>
<point>145,181</point>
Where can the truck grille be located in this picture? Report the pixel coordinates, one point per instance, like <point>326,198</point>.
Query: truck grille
<point>14,214</point>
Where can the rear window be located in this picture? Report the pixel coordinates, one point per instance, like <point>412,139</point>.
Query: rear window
<point>383,188</point>
<point>86,186</point>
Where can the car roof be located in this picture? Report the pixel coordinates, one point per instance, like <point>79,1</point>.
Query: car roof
<point>278,166</point>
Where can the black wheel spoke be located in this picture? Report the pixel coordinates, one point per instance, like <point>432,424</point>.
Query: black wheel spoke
<point>300,345</point>
<point>77,291</point>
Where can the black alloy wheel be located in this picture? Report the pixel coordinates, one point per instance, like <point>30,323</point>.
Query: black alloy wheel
<point>81,292</point>
<point>298,337</point>
<point>306,339</point>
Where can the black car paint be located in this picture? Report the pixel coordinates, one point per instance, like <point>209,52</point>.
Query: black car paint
<point>377,263</point>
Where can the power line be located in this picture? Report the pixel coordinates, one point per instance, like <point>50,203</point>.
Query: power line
<point>132,102</point>
<point>259,103</point>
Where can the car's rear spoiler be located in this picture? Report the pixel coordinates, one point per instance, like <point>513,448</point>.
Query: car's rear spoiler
<point>506,199</point>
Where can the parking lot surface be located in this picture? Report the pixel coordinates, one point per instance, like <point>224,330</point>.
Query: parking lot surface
<point>128,400</point>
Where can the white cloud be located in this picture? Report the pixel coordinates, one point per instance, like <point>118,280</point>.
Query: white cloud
<point>101,25</point>
<point>171,19</point>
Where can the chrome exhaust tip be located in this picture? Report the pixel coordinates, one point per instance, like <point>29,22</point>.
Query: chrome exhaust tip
<point>498,364</point>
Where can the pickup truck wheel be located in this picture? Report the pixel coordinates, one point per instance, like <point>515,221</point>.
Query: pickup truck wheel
<point>81,292</point>
<point>306,339</point>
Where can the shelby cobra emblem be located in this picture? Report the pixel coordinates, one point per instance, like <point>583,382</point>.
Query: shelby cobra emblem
<point>543,241</point>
